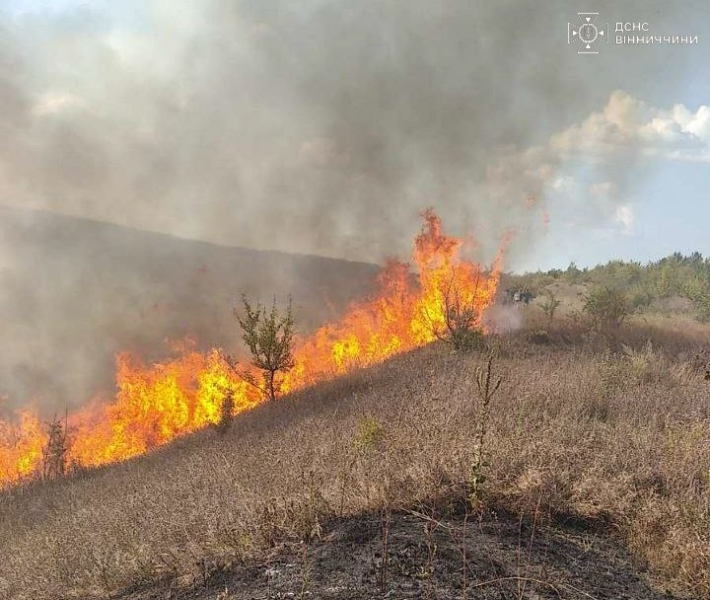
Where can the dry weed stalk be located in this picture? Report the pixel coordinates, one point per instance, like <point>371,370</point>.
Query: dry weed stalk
<point>488,384</point>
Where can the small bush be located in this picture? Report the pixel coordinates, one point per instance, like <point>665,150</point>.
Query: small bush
<point>540,337</point>
<point>269,337</point>
<point>226,413</point>
<point>641,299</point>
<point>632,367</point>
<point>702,305</point>
<point>370,434</point>
<point>462,321</point>
<point>56,450</point>
<point>608,308</point>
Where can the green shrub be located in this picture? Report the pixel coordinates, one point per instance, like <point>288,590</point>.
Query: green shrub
<point>370,434</point>
<point>702,305</point>
<point>608,308</point>
<point>641,299</point>
<point>269,337</point>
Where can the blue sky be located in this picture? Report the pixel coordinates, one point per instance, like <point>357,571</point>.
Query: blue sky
<point>671,213</point>
<point>250,124</point>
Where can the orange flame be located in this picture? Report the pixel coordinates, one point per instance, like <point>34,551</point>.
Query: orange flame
<point>155,404</point>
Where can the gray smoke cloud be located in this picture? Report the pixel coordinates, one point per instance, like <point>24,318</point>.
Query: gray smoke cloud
<point>317,127</point>
<point>321,127</point>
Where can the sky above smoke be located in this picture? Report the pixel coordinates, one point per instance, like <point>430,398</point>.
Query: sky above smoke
<point>325,127</point>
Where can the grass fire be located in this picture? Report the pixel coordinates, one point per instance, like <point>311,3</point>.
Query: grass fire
<point>423,459</point>
<point>155,404</point>
<point>239,357</point>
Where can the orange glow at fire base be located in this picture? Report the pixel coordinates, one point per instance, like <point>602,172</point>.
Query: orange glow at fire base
<point>155,404</point>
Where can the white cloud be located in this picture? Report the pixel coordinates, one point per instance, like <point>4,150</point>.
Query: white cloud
<point>588,166</point>
<point>624,215</point>
<point>626,122</point>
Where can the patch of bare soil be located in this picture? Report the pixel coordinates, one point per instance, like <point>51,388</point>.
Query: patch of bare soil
<point>506,559</point>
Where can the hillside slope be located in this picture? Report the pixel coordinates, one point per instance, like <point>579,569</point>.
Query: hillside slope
<point>575,436</point>
<point>74,292</point>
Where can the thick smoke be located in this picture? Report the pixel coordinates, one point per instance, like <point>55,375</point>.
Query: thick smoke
<point>314,127</point>
<point>320,127</point>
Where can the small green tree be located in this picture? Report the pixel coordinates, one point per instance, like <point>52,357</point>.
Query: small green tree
<point>56,450</point>
<point>608,308</point>
<point>461,326</point>
<point>269,336</point>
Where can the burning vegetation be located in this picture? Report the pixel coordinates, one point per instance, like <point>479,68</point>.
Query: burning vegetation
<point>155,404</point>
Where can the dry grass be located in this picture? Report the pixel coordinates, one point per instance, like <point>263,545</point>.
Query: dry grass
<point>574,429</point>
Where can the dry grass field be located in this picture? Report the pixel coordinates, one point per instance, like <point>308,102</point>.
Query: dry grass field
<point>612,438</point>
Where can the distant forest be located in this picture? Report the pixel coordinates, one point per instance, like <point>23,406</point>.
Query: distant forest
<point>675,275</point>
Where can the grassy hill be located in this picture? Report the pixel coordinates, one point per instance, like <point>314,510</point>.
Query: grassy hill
<point>74,292</point>
<point>597,466</point>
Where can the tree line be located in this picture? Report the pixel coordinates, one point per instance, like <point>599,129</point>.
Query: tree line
<point>674,275</point>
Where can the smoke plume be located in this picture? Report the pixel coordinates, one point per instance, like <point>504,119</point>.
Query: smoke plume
<point>313,127</point>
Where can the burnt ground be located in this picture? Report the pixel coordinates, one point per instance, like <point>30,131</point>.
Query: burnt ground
<point>507,559</point>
